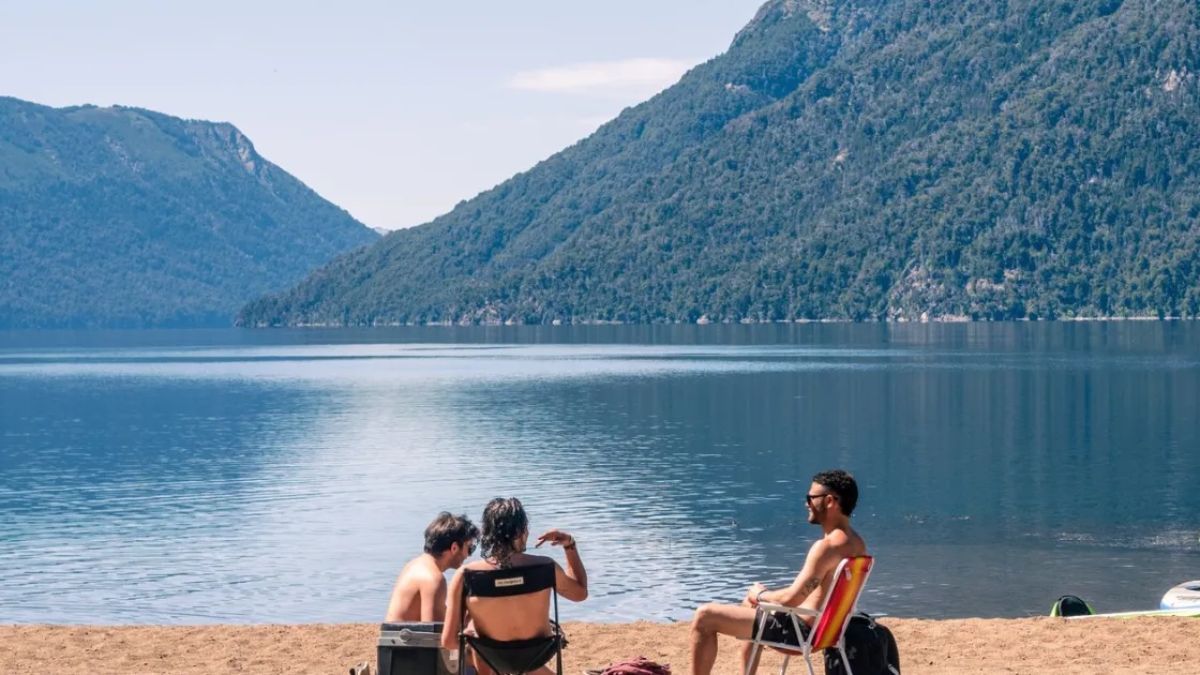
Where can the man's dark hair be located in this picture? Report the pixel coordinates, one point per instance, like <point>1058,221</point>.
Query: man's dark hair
<point>446,530</point>
<point>504,521</point>
<point>841,484</point>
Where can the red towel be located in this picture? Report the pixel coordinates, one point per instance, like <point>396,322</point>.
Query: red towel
<point>638,666</point>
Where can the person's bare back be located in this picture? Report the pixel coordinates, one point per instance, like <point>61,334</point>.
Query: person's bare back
<point>517,618</point>
<point>420,590</point>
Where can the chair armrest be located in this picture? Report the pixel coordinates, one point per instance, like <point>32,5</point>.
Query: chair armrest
<point>798,611</point>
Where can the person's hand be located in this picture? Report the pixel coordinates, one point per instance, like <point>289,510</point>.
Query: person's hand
<point>556,538</point>
<point>752,594</point>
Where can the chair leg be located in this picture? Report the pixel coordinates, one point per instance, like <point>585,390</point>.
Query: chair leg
<point>845,659</point>
<point>783,668</point>
<point>754,650</point>
<point>808,662</point>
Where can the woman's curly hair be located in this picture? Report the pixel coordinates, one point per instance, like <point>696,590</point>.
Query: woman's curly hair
<point>504,521</point>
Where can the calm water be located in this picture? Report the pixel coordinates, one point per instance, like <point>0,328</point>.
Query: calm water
<point>241,476</point>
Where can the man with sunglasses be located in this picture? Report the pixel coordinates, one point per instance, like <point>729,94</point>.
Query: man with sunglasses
<point>830,500</point>
<point>420,592</point>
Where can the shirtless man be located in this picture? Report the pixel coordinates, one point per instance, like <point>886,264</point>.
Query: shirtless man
<point>831,500</point>
<point>520,617</point>
<point>420,592</point>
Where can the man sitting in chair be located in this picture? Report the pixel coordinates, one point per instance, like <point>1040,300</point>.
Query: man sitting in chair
<point>830,500</point>
<point>516,617</point>
<point>420,591</point>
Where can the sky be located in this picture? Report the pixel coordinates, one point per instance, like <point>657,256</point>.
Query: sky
<point>395,111</point>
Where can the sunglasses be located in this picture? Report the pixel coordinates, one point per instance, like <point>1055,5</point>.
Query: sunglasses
<point>810,498</point>
<point>471,548</point>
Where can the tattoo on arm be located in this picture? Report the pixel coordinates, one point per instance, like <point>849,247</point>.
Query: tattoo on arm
<point>811,585</point>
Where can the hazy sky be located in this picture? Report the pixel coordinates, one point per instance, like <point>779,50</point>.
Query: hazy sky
<point>392,110</point>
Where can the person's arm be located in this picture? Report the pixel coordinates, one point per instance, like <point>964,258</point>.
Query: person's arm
<point>452,625</point>
<point>820,558</point>
<point>571,582</point>
<point>433,599</point>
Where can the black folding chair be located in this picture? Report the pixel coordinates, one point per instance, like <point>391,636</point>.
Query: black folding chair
<point>513,657</point>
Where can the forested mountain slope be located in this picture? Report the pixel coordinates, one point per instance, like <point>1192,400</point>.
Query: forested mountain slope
<point>853,159</point>
<point>126,217</point>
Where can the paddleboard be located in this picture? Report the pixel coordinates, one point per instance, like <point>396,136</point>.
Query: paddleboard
<point>1183,596</point>
<point>1192,613</point>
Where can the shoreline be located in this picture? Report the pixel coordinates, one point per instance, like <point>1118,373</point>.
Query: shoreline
<point>937,646</point>
<point>704,321</point>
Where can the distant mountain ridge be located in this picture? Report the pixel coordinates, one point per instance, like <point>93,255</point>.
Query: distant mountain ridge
<point>127,217</point>
<point>844,159</point>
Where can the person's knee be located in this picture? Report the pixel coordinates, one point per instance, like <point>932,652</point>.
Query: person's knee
<point>702,619</point>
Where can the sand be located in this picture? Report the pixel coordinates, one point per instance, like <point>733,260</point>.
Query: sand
<point>973,646</point>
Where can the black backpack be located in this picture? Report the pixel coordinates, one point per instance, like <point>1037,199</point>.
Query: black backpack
<point>1071,605</point>
<point>870,647</point>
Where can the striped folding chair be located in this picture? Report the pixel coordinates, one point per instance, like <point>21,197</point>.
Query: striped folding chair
<point>829,624</point>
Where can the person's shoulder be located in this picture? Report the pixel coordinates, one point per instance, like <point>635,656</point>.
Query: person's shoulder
<point>822,545</point>
<point>845,542</point>
<point>414,567</point>
<point>837,538</point>
<point>531,560</point>
<point>433,578</point>
<point>425,570</point>
<point>859,544</point>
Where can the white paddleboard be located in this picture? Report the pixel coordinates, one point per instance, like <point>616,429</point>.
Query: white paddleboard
<point>1192,613</point>
<point>1183,596</point>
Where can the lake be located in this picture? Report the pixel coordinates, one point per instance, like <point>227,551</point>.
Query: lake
<point>286,475</point>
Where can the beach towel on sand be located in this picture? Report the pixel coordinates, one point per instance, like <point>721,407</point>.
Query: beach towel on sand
<point>638,666</point>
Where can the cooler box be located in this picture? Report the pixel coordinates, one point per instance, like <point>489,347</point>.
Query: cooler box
<point>412,649</point>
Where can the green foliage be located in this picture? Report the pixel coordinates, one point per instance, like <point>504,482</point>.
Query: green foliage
<point>865,160</point>
<point>124,217</point>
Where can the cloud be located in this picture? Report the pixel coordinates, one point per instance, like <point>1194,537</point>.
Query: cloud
<point>603,76</point>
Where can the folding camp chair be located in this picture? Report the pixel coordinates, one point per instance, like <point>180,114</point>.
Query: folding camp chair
<point>829,625</point>
<point>514,657</point>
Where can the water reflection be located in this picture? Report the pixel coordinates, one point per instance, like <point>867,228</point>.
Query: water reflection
<point>262,476</point>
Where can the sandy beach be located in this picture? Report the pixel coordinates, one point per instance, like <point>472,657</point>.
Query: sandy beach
<point>1040,645</point>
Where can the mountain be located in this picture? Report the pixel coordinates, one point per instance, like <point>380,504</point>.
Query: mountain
<point>854,159</point>
<point>127,218</point>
